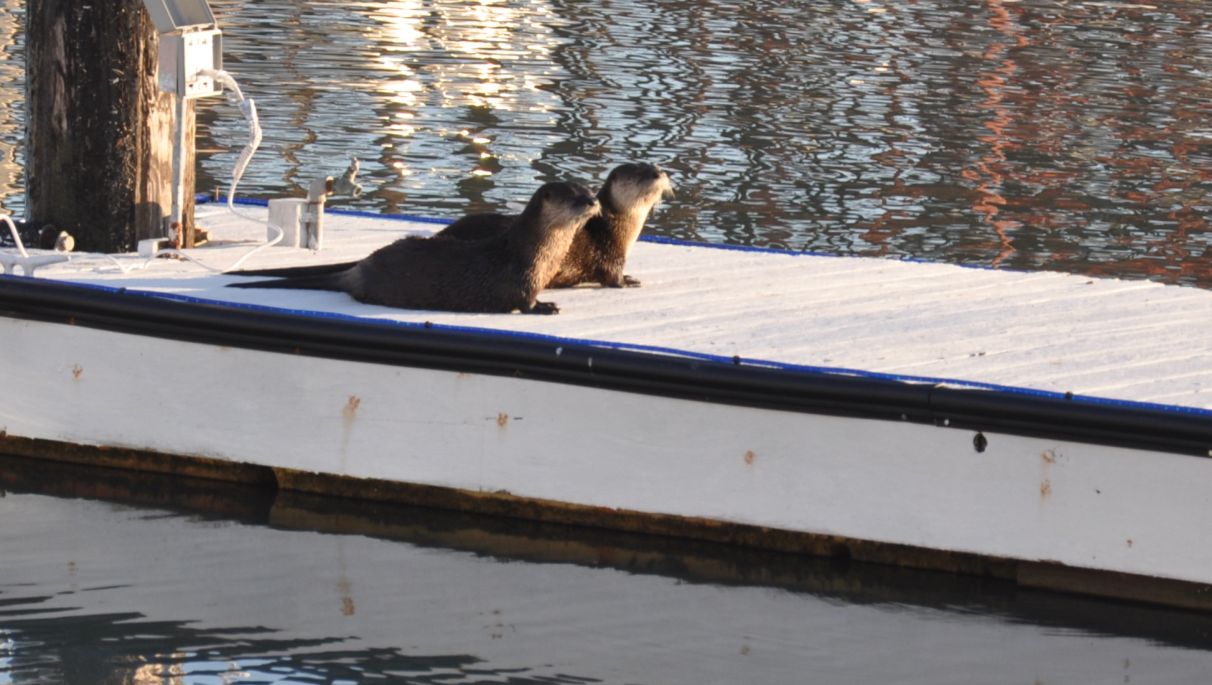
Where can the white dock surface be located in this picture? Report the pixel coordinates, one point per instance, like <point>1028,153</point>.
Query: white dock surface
<point>1126,340</point>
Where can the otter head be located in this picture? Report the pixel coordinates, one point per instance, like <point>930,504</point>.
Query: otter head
<point>632,188</point>
<point>545,230</point>
<point>562,206</point>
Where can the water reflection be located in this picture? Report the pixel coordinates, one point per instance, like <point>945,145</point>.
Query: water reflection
<point>112,577</point>
<point>1036,134</point>
<point>12,101</point>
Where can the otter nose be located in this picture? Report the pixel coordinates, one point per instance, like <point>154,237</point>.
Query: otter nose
<point>584,200</point>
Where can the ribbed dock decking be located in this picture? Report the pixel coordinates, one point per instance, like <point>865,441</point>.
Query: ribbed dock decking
<point>1136,341</point>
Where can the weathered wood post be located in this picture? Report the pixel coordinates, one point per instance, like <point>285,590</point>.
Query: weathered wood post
<point>99,141</point>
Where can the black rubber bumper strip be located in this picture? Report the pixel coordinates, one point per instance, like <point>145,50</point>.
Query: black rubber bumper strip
<point>1046,415</point>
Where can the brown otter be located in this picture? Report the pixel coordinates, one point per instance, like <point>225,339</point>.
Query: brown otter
<point>600,248</point>
<point>496,274</point>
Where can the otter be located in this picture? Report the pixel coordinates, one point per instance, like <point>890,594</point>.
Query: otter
<point>501,273</point>
<point>600,249</point>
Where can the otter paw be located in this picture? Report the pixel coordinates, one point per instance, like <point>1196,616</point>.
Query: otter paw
<point>629,282</point>
<point>544,308</point>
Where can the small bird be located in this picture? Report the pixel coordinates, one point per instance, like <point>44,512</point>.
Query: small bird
<point>348,184</point>
<point>51,238</point>
<point>64,242</point>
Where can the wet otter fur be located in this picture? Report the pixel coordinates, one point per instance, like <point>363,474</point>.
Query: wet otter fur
<point>501,273</point>
<point>600,249</point>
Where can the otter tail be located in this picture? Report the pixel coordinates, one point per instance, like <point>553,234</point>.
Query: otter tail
<point>322,281</point>
<point>293,271</point>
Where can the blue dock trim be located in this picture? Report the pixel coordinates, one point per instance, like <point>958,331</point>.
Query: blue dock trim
<point>644,369</point>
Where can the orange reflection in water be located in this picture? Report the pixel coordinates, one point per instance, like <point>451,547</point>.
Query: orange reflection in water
<point>987,172</point>
<point>11,96</point>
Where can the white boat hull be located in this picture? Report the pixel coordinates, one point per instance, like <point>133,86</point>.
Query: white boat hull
<point>619,455</point>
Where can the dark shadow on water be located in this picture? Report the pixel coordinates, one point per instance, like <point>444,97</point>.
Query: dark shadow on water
<point>99,649</point>
<point>121,644</point>
<point>39,644</point>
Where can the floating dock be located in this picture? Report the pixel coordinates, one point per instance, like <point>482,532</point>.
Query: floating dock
<point>1047,428</point>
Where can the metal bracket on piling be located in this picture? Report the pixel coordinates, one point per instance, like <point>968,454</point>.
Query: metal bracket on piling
<point>191,47</point>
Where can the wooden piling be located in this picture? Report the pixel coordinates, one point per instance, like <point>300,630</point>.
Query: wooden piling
<point>99,137</point>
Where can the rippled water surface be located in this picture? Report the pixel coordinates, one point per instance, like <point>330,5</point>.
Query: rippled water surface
<point>108,578</point>
<point>1072,135</point>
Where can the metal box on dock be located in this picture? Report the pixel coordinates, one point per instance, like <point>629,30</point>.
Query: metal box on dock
<point>177,15</point>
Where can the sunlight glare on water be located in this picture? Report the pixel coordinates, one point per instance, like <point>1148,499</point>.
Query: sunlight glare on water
<point>1034,134</point>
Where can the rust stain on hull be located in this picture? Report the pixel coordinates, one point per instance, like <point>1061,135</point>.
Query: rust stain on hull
<point>345,589</point>
<point>360,491</point>
<point>350,412</point>
<point>348,415</point>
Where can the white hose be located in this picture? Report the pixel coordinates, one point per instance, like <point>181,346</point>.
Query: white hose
<point>249,109</point>
<point>16,234</point>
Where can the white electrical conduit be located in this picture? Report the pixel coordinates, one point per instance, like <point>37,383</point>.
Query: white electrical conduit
<point>12,228</point>
<point>249,109</point>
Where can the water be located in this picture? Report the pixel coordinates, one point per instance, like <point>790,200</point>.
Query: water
<point>107,577</point>
<point>1037,134</point>
<point>1033,135</point>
